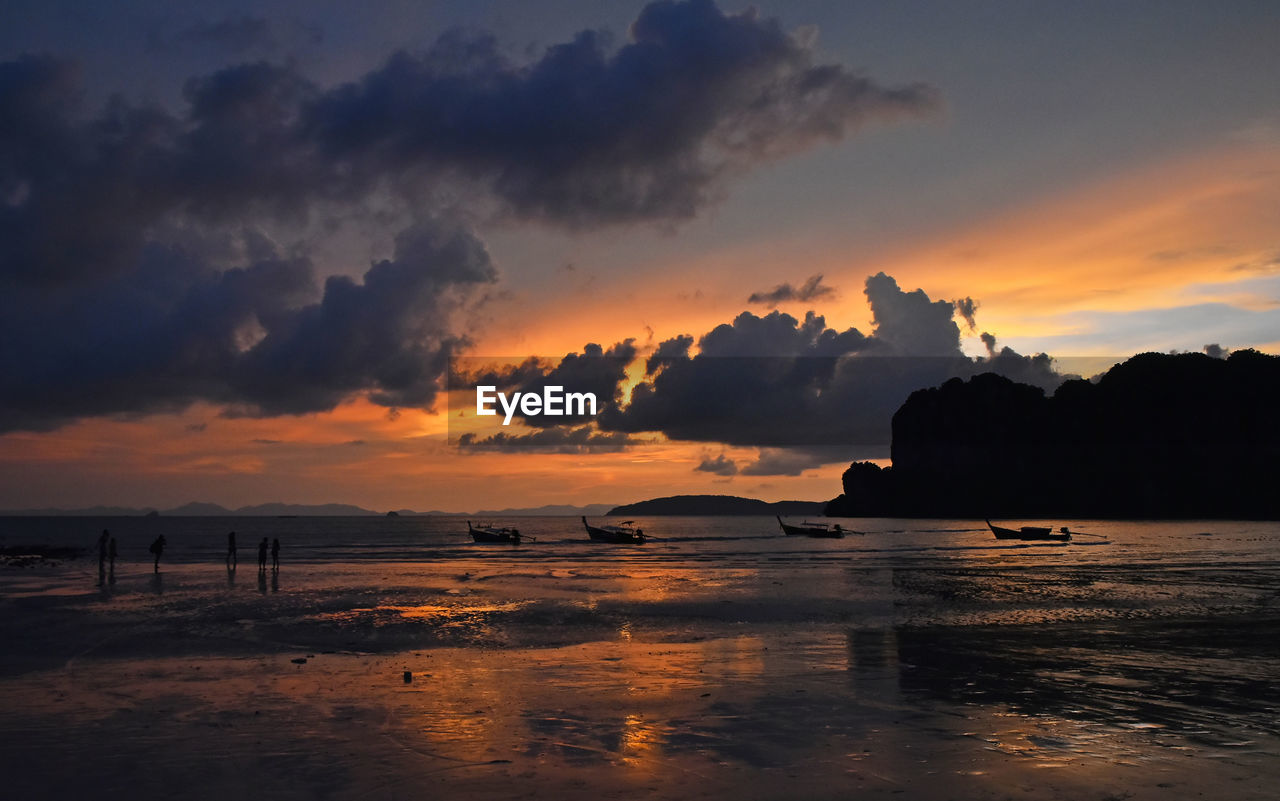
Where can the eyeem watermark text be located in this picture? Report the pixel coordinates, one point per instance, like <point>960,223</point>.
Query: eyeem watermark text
<point>553,401</point>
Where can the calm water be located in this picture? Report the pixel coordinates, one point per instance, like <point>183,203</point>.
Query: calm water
<point>1141,661</point>
<point>731,568</point>
<point>749,541</point>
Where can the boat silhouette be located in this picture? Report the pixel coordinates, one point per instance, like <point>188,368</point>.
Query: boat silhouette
<point>1029,533</point>
<point>811,529</point>
<point>622,533</point>
<point>494,534</point>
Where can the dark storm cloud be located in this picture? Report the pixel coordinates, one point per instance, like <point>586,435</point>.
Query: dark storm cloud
<point>967,308</point>
<point>720,466</point>
<point>750,383</point>
<point>812,289</point>
<point>794,461</point>
<point>674,348</point>
<point>908,323</point>
<point>780,382</point>
<point>989,340</point>
<point>129,283</point>
<point>802,392</point>
<point>261,339</point>
<point>388,336</point>
<point>585,135</point>
<point>1038,370</point>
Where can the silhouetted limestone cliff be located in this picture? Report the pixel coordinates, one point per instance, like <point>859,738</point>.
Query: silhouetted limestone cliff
<point>1160,435</point>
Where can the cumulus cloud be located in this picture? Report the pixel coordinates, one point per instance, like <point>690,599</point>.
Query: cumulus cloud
<point>720,466</point>
<point>1038,370</point>
<point>131,275</point>
<point>671,349</point>
<point>389,335</point>
<point>581,136</point>
<point>811,289</point>
<point>262,339</point>
<point>989,340</point>
<point>794,386</point>
<point>782,462</point>
<point>588,135</point>
<point>909,323</point>
<point>967,308</point>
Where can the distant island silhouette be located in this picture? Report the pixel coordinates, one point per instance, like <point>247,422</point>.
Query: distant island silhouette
<point>1159,436</point>
<point>716,505</point>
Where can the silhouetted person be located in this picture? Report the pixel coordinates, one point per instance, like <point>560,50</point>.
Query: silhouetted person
<point>275,554</point>
<point>262,555</point>
<point>232,557</point>
<point>102,555</point>
<point>157,548</point>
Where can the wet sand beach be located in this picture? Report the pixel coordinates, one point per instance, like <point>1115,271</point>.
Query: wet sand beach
<point>915,662</point>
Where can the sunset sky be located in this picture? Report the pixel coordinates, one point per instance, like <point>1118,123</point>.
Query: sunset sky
<point>239,242</point>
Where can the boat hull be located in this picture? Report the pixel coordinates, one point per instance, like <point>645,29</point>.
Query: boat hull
<point>510,536</point>
<point>1028,533</point>
<point>622,537</point>
<point>811,531</point>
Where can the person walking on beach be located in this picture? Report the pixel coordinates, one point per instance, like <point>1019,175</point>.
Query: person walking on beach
<point>232,558</point>
<point>157,548</point>
<point>262,556</point>
<point>275,554</point>
<point>102,554</point>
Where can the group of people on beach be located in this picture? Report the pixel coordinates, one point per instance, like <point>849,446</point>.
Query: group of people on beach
<point>108,550</point>
<point>233,558</point>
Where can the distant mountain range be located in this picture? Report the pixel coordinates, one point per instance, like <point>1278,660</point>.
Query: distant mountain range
<point>673,505</point>
<point>717,505</point>
<point>198,509</point>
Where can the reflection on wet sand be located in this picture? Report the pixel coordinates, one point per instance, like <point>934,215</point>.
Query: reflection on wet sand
<point>982,676</point>
<point>1210,681</point>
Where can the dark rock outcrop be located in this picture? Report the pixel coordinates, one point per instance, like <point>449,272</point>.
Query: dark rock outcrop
<point>1159,436</point>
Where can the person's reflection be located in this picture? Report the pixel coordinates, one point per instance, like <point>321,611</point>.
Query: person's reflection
<point>275,581</point>
<point>231,576</point>
<point>157,583</point>
<point>262,582</point>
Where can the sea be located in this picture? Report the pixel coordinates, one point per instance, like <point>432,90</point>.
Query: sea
<point>884,572</point>
<point>914,657</point>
